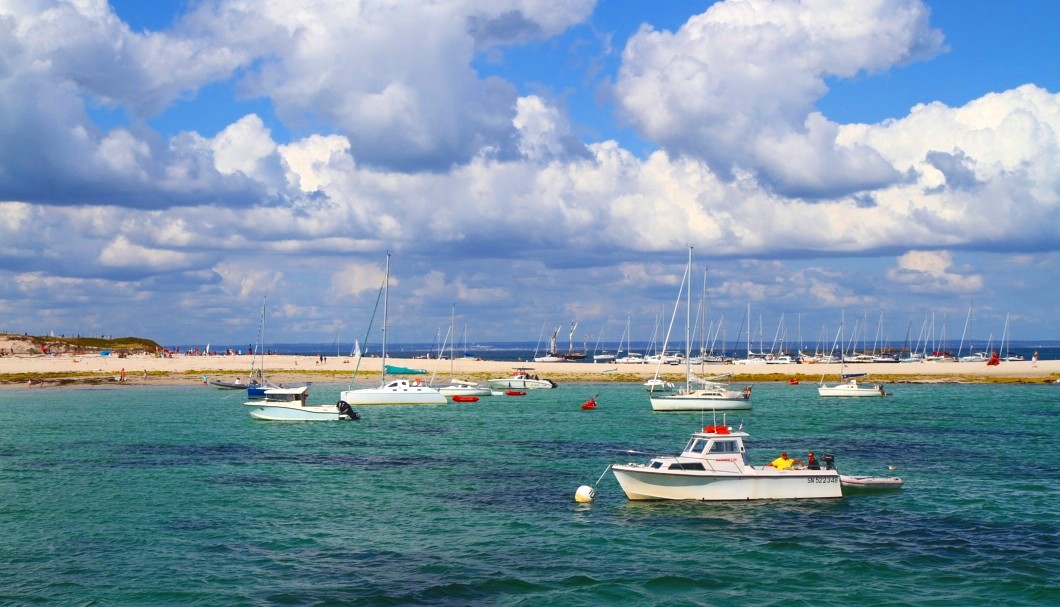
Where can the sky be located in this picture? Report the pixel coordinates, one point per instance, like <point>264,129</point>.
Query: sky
<point>170,168</point>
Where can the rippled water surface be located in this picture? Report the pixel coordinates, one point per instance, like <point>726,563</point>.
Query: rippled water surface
<point>166,496</point>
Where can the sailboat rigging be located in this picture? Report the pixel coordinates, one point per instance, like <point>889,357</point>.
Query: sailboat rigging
<point>709,395</point>
<point>397,391</point>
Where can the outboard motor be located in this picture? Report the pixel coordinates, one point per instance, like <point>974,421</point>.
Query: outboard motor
<point>829,461</point>
<point>344,409</point>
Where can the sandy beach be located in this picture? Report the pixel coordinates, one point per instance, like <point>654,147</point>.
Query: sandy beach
<point>64,369</point>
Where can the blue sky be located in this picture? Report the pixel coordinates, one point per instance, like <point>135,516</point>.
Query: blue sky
<point>166,165</point>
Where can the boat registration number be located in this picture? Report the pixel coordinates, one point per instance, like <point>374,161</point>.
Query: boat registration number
<point>822,479</point>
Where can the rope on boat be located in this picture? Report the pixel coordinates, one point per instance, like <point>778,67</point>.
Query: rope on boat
<point>367,331</point>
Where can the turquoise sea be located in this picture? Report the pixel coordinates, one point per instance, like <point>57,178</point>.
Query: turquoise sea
<point>174,496</point>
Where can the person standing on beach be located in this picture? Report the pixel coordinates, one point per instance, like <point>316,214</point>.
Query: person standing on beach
<point>1034,359</point>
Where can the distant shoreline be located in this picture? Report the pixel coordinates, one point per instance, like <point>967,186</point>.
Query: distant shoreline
<point>94,369</point>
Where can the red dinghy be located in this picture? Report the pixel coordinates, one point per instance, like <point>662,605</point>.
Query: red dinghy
<point>515,393</point>
<point>465,399</point>
<point>793,381</point>
<point>591,403</point>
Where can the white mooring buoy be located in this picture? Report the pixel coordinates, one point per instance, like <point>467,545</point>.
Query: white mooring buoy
<point>584,494</point>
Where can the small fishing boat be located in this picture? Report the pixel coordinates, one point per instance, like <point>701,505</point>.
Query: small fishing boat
<point>714,466</point>
<point>794,381</point>
<point>464,399</point>
<point>515,393</point>
<point>289,404</point>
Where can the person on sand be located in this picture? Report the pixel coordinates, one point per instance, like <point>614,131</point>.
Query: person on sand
<point>1034,359</point>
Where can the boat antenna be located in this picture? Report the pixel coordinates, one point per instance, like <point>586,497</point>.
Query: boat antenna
<point>367,331</point>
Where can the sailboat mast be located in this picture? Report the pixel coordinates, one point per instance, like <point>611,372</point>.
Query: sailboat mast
<point>688,321</point>
<point>261,341</point>
<point>386,305</point>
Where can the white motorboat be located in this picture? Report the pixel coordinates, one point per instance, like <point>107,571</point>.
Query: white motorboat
<point>521,379</point>
<point>851,388</point>
<point>396,391</point>
<point>289,404</point>
<point>659,385</point>
<point>460,387</point>
<point>714,466</point>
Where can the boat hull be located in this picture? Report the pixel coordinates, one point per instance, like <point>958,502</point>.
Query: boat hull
<point>643,483</point>
<point>388,396</point>
<point>465,391</point>
<point>294,413</point>
<point>844,390</point>
<point>693,402</point>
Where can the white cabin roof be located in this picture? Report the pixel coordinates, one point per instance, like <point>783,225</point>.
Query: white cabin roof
<point>285,391</point>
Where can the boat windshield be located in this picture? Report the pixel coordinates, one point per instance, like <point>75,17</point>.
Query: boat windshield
<point>697,446</point>
<point>724,446</point>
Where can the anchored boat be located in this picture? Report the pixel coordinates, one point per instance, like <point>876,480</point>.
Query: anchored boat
<point>289,404</point>
<point>714,466</point>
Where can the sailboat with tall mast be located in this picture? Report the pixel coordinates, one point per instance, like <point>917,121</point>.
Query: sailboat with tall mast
<point>848,386</point>
<point>256,383</point>
<point>460,387</point>
<point>709,394</point>
<point>399,391</point>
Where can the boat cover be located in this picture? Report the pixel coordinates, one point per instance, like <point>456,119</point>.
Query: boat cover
<point>393,370</point>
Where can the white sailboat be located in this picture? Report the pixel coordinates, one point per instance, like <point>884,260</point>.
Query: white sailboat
<point>396,391</point>
<point>850,387</point>
<point>631,358</point>
<point>460,387</point>
<point>256,383</point>
<point>707,395</point>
